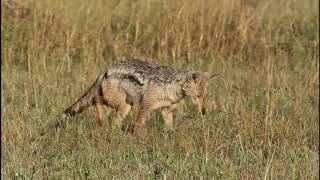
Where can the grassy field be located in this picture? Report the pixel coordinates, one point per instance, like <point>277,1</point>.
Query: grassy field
<point>263,119</point>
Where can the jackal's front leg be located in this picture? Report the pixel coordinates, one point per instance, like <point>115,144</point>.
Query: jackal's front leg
<point>167,114</point>
<point>122,112</point>
<point>168,119</point>
<point>144,112</point>
<point>141,120</point>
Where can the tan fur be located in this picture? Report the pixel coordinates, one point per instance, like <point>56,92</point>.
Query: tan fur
<point>149,85</point>
<point>98,104</point>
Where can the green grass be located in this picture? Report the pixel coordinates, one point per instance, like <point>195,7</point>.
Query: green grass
<point>263,119</point>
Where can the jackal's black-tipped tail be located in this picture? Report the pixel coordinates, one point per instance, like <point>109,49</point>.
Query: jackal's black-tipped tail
<point>85,100</point>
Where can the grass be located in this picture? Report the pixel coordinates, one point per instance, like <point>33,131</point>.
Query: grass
<point>263,119</point>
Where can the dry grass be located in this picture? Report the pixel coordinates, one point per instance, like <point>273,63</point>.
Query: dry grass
<point>263,120</point>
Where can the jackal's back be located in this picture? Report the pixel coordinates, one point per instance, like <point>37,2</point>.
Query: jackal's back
<point>143,72</point>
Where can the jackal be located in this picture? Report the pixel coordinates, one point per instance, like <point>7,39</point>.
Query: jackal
<point>151,86</point>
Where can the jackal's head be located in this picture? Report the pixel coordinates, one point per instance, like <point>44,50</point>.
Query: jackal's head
<point>196,87</point>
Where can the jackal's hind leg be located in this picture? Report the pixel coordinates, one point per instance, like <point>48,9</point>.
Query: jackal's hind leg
<point>99,104</point>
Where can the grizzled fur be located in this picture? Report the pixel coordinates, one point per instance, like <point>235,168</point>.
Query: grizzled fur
<point>136,76</point>
<point>143,72</point>
<point>150,85</point>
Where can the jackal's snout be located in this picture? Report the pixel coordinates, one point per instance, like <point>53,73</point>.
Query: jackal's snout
<point>197,88</point>
<point>203,111</point>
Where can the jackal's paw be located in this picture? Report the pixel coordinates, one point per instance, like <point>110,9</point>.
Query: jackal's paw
<point>137,127</point>
<point>137,131</point>
<point>116,126</point>
<point>139,135</point>
<point>169,129</point>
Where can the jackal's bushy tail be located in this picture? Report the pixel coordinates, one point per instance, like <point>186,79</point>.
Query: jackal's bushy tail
<point>85,100</point>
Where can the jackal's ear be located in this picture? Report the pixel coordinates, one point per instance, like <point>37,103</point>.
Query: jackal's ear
<point>195,76</point>
<point>210,75</point>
